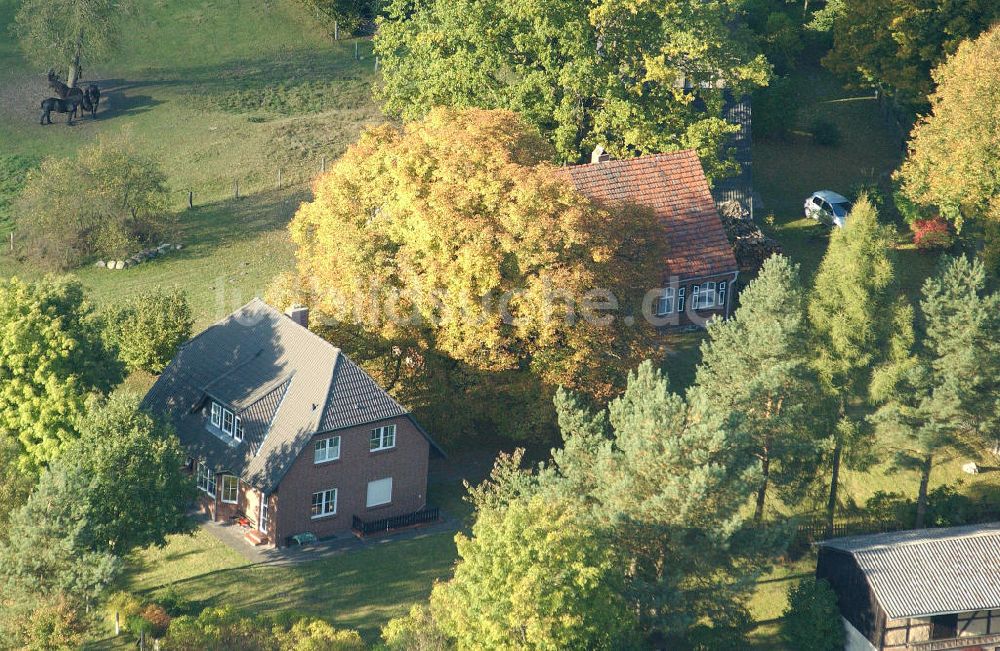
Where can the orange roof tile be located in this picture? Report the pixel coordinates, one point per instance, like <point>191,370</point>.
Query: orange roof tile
<point>675,187</point>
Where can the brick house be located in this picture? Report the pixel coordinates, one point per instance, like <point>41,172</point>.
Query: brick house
<point>282,428</point>
<point>700,270</point>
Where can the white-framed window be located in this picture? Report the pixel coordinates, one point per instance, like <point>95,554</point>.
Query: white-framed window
<point>324,503</point>
<point>665,304</point>
<point>230,489</point>
<point>383,438</point>
<point>206,478</point>
<point>379,492</point>
<point>680,300</point>
<point>722,294</point>
<point>226,421</point>
<point>327,450</point>
<point>703,296</point>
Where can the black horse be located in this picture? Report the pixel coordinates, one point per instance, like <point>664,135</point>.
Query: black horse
<point>70,106</point>
<point>66,92</point>
<point>91,98</point>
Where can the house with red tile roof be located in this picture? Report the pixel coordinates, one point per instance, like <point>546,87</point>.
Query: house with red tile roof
<point>700,270</point>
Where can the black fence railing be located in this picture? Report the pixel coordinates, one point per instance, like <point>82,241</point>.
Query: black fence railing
<point>813,532</point>
<point>369,527</point>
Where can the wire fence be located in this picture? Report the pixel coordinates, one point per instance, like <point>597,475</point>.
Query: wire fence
<point>246,184</point>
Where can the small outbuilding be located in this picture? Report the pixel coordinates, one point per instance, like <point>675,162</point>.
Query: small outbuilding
<point>923,590</point>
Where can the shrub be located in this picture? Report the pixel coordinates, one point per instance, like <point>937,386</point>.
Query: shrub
<point>108,200</point>
<point>317,635</point>
<point>812,620</point>
<point>156,618</point>
<point>931,234</point>
<point>825,133</point>
<point>415,631</point>
<point>146,329</point>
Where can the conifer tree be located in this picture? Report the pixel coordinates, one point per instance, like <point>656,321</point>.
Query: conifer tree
<point>848,312</point>
<point>943,397</point>
<point>756,365</point>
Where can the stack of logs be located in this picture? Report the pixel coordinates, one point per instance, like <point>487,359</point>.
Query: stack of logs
<point>750,245</point>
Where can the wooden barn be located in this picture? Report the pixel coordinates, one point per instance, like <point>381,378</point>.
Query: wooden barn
<point>924,590</point>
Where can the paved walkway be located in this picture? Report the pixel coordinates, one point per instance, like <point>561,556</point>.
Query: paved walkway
<point>231,535</point>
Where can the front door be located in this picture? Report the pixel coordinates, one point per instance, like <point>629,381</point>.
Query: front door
<point>264,520</point>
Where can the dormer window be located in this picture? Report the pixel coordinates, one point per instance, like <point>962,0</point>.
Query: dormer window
<point>227,422</point>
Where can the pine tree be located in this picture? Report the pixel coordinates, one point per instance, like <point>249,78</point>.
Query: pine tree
<point>943,397</point>
<point>847,310</point>
<point>756,365</point>
<point>673,490</point>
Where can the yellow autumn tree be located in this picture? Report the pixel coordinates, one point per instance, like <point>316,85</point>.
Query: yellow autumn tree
<point>954,151</point>
<point>455,235</point>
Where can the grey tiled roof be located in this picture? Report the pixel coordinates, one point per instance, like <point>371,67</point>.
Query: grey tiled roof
<point>285,382</point>
<point>930,571</point>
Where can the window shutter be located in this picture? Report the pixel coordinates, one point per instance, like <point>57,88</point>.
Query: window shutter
<point>379,492</point>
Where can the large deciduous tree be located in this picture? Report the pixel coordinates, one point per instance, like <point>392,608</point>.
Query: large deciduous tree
<point>453,237</point>
<point>849,309</point>
<point>894,44</point>
<point>941,391</point>
<point>146,329</point>
<point>534,575</point>
<point>52,358</point>
<point>119,487</point>
<point>635,75</point>
<point>69,33</point>
<point>757,365</point>
<point>953,159</point>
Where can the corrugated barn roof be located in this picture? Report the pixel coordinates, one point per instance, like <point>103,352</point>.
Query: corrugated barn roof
<point>930,571</point>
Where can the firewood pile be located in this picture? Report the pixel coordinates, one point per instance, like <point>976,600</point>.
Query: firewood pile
<point>750,245</point>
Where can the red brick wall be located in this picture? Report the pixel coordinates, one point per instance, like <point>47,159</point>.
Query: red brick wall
<point>406,464</point>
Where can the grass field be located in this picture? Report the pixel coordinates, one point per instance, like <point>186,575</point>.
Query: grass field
<point>219,94</point>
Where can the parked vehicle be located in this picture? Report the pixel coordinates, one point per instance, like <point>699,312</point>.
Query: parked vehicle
<point>828,207</point>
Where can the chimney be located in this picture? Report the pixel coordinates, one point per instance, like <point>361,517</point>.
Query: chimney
<point>299,314</point>
<point>599,155</point>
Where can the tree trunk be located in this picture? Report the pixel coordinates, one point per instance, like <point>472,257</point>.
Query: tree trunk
<point>758,514</point>
<point>831,505</point>
<point>925,478</point>
<point>74,66</point>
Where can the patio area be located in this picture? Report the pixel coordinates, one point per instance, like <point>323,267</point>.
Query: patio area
<point>232,535</point>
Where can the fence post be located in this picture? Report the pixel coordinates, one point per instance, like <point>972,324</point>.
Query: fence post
<point>376,64</point>
<point>357,54</point>
<point>190,199</point>
<point>322,164</point>
<point>12,241</point>
<point>336,31</point>
<point>279,178</point>
<point>236,188</point>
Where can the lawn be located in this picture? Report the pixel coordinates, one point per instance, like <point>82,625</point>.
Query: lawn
<point>786,173</point>
<point>361,589</point>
